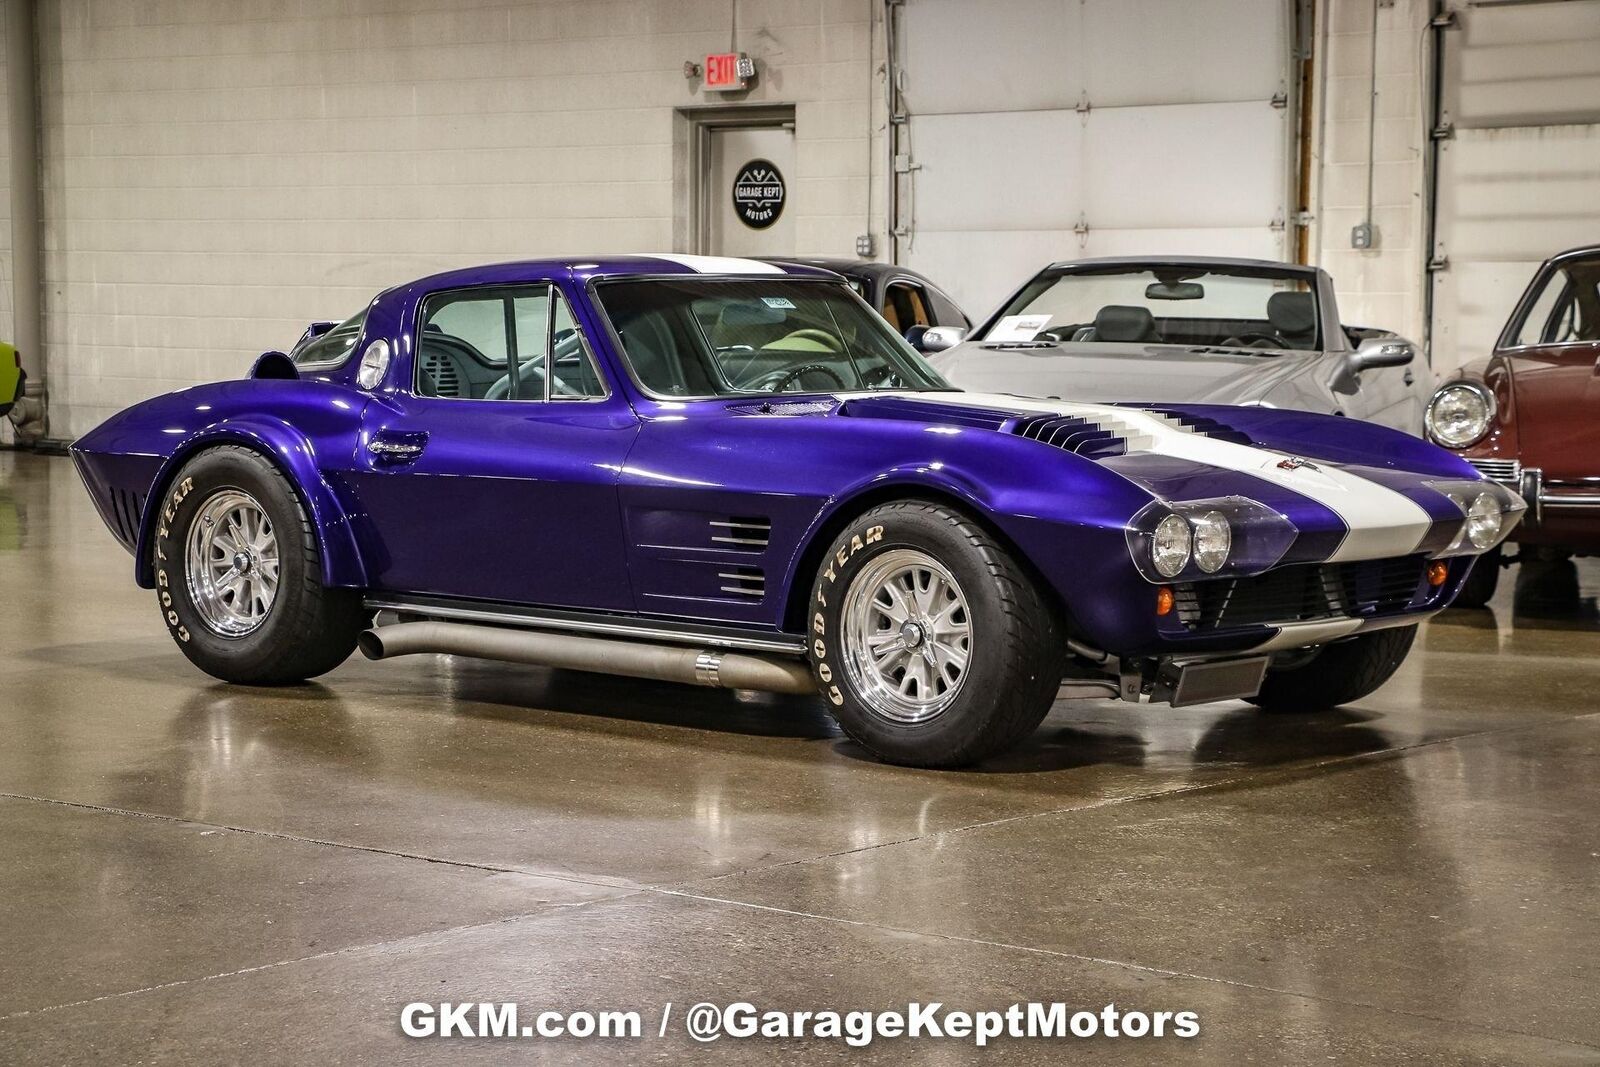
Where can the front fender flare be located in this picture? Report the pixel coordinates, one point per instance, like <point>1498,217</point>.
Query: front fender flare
<point>292,452</point>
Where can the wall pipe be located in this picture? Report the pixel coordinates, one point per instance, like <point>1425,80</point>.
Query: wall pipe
<point>22,123</point>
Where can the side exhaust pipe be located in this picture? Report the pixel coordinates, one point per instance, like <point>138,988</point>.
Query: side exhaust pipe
<point>666,663</point>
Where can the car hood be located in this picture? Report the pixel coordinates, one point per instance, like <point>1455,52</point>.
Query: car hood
<point>1557,398</point>
<point>1091,372</point>
<point>1375,479</point>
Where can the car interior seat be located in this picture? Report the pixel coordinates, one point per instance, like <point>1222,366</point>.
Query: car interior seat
<point>1124,322</point>
<point>1294,317</point>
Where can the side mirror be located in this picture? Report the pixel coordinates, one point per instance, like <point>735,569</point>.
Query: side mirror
<point>931,339</point>
<point>1382,352</point>
<point>1374,352</point>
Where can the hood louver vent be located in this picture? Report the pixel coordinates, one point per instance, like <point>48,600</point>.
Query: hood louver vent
<point>745,534</point>
<point>1072,434</point>
<point>1203,425</point>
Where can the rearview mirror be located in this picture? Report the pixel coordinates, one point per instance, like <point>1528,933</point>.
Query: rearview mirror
<point>931,339</point>
<point>1174,291</point>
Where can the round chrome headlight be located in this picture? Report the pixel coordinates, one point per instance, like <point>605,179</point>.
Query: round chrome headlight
<point>1213,537</point>
<point>1483,521</point>
<point>1459,414</point>
<point>1169,548</point>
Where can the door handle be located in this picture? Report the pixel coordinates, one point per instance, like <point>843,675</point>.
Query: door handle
<point>397,448</point>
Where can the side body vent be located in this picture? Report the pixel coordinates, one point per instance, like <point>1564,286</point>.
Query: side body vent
<point>744,534</point>
<point>743,581</point>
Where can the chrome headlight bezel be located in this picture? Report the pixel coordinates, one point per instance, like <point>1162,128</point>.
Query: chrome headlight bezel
<point>1461,385</point>
<point>1256,539</point>
<point>1482,494</point>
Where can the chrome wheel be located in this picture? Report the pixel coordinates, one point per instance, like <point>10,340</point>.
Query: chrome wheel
<point>232,563</point>
<point>907,636</point>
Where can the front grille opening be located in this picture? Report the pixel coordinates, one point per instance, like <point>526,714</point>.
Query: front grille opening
<point>745,534</point>
<point>1303,592</point>
<point>127,509</point>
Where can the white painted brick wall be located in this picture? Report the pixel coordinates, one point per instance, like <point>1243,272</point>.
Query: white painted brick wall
<point>218,174</point>
<point>1384,286</point>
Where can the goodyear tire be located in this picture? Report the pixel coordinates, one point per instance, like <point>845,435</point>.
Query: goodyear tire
<point>238,571</point>
<point>1340,673</point>
<point>932,646</point>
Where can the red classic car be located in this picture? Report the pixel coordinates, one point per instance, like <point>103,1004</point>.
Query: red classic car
<point>1529,415</point>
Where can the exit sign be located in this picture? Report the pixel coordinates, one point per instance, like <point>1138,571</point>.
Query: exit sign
<point>726,71</point>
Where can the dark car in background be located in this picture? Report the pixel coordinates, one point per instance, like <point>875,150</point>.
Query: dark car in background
<point>1528,416</point>
<point>909,301</point>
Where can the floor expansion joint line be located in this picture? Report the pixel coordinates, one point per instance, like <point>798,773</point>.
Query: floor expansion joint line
<point>107,809</point>
<point>1129,965</point>
<point>1265,777</point>
<point>368,946</point>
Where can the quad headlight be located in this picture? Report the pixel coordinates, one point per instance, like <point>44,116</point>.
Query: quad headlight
<point>1170,547</point>
<point>1484,520</point>
<point>1188,540</point>
<point>1460,413</point>
<point>1213,537</point>
<point>1489,512</point>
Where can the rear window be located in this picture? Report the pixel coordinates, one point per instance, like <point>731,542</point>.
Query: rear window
<point>333,346</point>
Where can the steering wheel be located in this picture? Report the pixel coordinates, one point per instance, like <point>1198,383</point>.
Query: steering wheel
<point>782,379</point>
<point>1248,340</point>
<point>811,333</point>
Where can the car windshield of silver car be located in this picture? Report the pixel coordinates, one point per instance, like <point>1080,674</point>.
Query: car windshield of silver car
<point>705,338</point>
<point>1189,306</point>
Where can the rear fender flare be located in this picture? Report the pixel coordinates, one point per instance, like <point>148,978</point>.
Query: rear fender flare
<point>292,453</point>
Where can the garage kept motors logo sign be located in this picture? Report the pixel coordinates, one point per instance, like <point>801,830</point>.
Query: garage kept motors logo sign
<point>758,194</point>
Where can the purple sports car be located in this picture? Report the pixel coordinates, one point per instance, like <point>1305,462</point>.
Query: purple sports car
<point>726,472</point>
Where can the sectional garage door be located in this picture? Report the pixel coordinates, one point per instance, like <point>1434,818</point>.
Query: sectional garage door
<point>1042,130</point>
<point>1519,163</point>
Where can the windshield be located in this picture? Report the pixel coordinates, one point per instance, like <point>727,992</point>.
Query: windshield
<point>1167,305</point>
<point>705,337</point>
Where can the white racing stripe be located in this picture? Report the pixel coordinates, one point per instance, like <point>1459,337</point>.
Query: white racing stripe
<point>718,264</point>
<point>1380,522</point>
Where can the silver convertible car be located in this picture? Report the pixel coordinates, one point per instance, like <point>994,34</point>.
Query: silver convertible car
<point>1197,330</point>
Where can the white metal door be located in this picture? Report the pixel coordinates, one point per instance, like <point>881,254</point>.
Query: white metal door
<point>743,217</point>
<point>1518,176</point>
<point>1044,130</point>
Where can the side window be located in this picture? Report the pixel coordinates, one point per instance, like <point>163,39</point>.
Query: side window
<point>575,376</point>
<point>1551,314</point>
<point>905,307</point>
<point>492,343</point>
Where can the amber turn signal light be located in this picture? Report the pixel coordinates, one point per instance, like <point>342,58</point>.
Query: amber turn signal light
<point>1164,600</point>
<point>1437,573</point>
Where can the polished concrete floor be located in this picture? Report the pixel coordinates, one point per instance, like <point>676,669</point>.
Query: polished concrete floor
<point>193,872</point>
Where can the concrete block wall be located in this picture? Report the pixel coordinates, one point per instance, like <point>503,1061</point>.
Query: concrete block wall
<point>216,175</point>
<point>1382,286</point>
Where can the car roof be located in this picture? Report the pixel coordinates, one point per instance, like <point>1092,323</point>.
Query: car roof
<point>610,265</point>
<point>1184,261</point>
<point>850,268</point>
